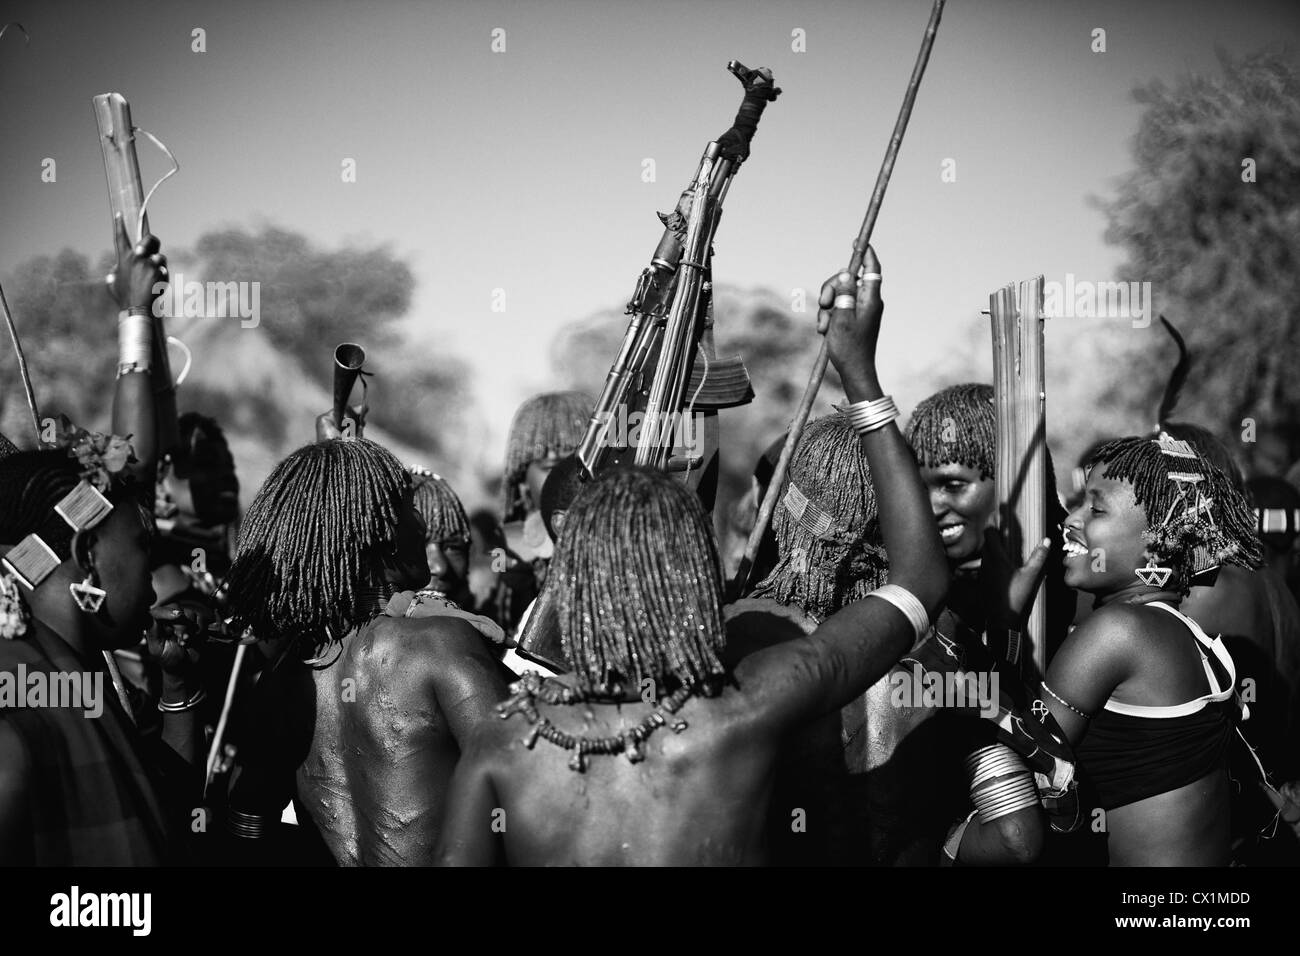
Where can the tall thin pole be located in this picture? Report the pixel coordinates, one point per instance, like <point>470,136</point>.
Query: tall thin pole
<point>855,266</point>
<point>22,365</point>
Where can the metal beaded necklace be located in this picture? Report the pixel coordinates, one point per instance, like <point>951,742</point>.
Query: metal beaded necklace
<point>533,687</point>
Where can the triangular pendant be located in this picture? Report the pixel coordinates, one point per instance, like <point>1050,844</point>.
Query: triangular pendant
<point>1153,576</point>
<point>88,597</point>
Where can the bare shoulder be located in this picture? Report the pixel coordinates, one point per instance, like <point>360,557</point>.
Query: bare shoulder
<point>755,624</point>
<point>412,642</point>
<point>1116,626</point>
<point>1111,637</point>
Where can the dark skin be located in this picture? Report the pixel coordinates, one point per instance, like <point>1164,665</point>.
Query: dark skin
<point>700,797</point>
<point>534,478</point>
<point>140,270</point>
<point>1016,838</point>
<point>391,716</point>
<point>963,503</point>
<point>448,560</point>
<point>116,553</point>
<point>1138,655</point>
<point>885,742</point>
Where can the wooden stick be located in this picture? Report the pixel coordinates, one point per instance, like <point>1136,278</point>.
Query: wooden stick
<point>855,266</point>
<point>214,752</point>
<point>22,365</point>
<point>1021,464</point>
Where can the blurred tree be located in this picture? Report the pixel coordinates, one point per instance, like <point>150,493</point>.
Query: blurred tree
<point>312,299</point>
<point>67,323</point>
<point>266,383</point>
<point>1210,216</point>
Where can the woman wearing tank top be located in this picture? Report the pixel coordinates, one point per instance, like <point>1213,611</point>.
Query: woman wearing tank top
<point>1143,694</point>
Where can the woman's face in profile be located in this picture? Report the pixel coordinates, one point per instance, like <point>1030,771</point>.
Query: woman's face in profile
<point>1104,543</point>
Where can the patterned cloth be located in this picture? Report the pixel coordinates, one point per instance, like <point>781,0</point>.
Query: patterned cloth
<point>93,803</point>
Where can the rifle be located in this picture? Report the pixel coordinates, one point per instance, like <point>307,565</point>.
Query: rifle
<point>670,312</point>
<point>775,486</point>
<point>654,373</point>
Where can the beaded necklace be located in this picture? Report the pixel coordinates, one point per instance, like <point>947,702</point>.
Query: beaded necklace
<point>532,687</point>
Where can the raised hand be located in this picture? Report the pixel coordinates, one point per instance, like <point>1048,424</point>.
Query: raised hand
<point>849,317</point>
<point>1008,590</point>
<point>175,638</point>
<point>354,424</point>
<point>141,270</point>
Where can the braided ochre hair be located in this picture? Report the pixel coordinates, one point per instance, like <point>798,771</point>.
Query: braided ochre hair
<point>317,535</point>
<point>957,425</point>
<point>821,573</point>
<point>439,507</point>
<point>1196,520</point>
<point>640,585</point>
<point>546,426</point>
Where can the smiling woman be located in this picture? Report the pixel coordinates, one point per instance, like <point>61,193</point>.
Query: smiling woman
<point>1144,695</point>
<point>953,434</point>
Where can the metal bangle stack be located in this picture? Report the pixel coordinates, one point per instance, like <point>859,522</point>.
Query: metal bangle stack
<point>1000,782</point>
<point>868,416</point>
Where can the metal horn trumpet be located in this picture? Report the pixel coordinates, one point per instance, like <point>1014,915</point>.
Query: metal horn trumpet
<point>348,360</point>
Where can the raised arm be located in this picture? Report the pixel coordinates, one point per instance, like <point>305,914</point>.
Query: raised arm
<point>141,271</point>
<point>852,649</point>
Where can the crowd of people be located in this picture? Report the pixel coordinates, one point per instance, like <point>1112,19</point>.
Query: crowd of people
<point>347,676</point>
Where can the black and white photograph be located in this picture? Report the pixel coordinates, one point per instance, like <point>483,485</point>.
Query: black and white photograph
<point>561,433</point>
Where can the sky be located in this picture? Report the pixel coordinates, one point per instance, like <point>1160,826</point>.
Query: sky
<point>522,169</point>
